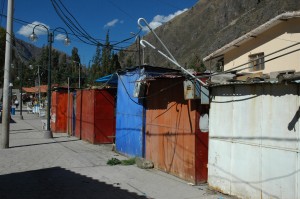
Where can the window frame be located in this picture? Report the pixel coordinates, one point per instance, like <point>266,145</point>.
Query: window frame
<point>256,61</point>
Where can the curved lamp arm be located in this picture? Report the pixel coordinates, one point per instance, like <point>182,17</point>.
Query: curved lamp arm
<point>145,43</point>
<point>140,20</point>
<point>33,37</point>
<point>67,40</point>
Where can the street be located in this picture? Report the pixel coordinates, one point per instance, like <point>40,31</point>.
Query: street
<point>65,167</point>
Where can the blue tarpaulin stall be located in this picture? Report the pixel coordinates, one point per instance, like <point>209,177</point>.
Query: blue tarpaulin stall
<point>130,114</point>
<point>110,79</point>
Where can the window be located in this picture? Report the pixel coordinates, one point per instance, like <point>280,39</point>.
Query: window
<point>257,62</point>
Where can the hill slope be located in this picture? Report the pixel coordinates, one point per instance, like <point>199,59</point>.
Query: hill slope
<point>209,25</point>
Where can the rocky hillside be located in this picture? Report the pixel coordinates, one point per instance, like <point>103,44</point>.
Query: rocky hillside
<point>28,50</point>
<point>209,25</point>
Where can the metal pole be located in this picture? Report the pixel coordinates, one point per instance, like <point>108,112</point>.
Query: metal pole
<point>6,105</point>
<point>140,62</point>
<point>48,132</point>
<point>39,77</point>
<point>21,93</point>
<point>79,75</point>
<point>68,106</point>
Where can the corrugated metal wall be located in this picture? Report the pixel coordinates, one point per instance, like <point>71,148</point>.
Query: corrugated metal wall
<point>129,117</point>
<point>59,111</point>
<point>85,115</point>
<point>105,121</point>
<point>95,115</point>
<point>173,140</point>
<point>254,140</point>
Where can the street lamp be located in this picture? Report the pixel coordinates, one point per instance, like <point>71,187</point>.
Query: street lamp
<point>79,68</point>
<point>34,37</point>
<point>21,92</point>
<point>39,83</point>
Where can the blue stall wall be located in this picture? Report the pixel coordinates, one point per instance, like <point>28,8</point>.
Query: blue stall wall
<point>129,117</point>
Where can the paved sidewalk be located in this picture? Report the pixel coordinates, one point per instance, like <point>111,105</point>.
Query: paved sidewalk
<point>65,167</point>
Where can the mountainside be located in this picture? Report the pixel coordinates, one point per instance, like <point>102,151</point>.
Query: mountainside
<point>27,50</point>
<point>207,26</point>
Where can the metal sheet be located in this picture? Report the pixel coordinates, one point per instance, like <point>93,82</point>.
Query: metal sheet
<point>95,116</point>
<point>129,117</point>
<point>104,116</point>
<point>254,140</point>
<point>279,173</point>
<point>173,140</point>
<point>59,112</point>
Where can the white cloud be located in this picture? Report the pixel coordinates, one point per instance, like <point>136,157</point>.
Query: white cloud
<point>158,20</point>
<point>27,30</point>
<point>60,37</point>
<point>111,23</point>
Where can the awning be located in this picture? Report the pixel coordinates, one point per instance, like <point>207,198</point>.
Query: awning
<point>110,79</point>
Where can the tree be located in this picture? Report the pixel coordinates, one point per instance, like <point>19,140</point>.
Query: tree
<point>196,63</point>
<point>115,64</point>
<point>129,61</point>
<point>106,56</point>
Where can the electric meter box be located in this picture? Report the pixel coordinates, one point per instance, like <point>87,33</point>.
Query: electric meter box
<point>192,90</point>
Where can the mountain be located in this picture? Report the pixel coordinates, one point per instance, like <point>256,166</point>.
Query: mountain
<point>27,50</point>
<point>207,26</point>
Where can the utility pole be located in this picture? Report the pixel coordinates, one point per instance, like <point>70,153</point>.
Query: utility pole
<point>21,92</point>
<point>6,101</point>
<point>39,78</point>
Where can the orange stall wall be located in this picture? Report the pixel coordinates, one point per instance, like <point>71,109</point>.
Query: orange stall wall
<point>172,131</point>
<point>95,115</point>
<point>59,112</point>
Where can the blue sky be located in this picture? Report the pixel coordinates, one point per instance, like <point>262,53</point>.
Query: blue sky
<point>96,17</point>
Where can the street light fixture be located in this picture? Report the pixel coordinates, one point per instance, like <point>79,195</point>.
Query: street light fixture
<point>33,37</point>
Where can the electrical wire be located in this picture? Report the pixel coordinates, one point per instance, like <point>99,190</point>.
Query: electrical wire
<point>72,23</point>
<point>119,8</point>
<point>235,69</point>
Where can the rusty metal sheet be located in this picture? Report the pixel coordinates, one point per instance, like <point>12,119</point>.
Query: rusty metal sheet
<point>95,117</point>
<point>171,124</point>
<point>59,112</point>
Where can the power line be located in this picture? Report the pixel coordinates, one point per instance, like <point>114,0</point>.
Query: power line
<point>119,8</point>
<point>73,24</point>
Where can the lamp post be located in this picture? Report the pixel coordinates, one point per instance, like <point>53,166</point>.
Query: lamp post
<point>33,37</point>
<point>21,92</point>
<point>39,83</point>
<point>79,68</point>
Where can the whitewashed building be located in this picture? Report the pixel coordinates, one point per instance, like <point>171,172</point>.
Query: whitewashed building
<point>254,129</point>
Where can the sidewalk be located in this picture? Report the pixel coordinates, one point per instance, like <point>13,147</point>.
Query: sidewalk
<point>65,167</point>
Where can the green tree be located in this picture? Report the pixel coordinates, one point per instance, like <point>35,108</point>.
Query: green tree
<point>129,61</point>
<point>114,64</point>
<point>196,64</point>
<point>106,56</point>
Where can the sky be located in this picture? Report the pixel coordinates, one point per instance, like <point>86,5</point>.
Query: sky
<point>95,17</point>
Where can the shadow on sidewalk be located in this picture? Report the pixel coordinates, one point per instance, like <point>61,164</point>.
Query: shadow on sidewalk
<point>52,142</point>
<point>11,120</point>
<point>58,182</point>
